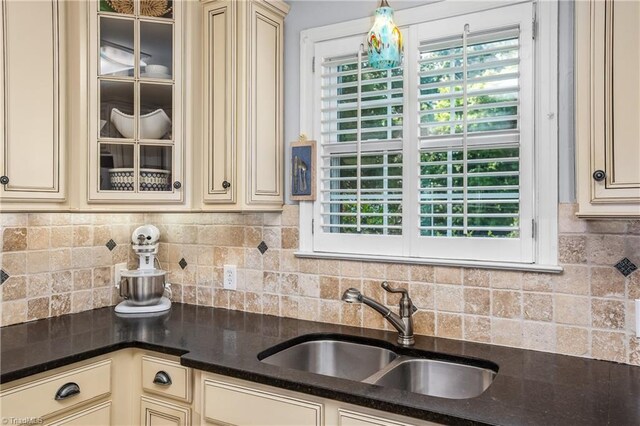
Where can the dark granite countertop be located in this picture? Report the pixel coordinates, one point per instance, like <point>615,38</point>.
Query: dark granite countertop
<point>531,388</point>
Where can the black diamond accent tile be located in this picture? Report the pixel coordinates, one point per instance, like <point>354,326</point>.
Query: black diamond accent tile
<point>182,263</point>
<point>263,247</point>
<point>626,267</point>
<point>111,245</point>
<point>3,276</point>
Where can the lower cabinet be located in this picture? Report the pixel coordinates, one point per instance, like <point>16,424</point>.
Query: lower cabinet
<point>228,401</point>
<point>131,387</point>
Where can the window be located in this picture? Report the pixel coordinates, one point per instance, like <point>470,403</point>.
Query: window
<point>433,160</point>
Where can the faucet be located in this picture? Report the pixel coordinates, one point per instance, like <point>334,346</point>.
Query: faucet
<point>403,322</point>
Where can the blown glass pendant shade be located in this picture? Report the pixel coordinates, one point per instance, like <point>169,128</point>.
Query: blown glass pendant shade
<point>384,41</point>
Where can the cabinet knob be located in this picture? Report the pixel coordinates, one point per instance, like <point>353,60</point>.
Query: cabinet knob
<point>4,180</point>
<point>599,175</point>
<point>67,391</point>
<point>226,184</point>
<point>177,184</point>
<point>162,378</point>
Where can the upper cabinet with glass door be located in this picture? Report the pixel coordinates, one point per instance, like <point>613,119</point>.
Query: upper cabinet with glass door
<point>135,101</point>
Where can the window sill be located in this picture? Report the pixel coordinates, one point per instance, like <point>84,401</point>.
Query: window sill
<point>525,267</point>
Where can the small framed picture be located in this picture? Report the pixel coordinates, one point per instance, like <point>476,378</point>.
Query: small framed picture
<point>303,170</point>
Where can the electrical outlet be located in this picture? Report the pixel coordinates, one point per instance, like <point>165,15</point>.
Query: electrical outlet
<point>229,277</point>
<point>117,271</point>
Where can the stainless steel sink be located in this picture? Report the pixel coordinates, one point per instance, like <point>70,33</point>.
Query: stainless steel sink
<point>383,367</point>
<point>333,358</point>
<point>435,378</point>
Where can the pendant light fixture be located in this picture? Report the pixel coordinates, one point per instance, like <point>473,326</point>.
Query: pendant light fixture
<point>384,40</point>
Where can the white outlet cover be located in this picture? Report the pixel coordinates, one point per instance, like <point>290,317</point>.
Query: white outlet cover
<point>229,277</point>
<point>117,271</point>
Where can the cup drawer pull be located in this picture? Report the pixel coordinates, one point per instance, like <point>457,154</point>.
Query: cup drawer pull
<point>162,378</point>
<point>67,391</point>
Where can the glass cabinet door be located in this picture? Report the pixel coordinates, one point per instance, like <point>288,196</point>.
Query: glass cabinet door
<point>136,149</point>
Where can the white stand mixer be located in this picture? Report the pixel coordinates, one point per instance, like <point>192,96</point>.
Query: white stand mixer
<point>144,288</point>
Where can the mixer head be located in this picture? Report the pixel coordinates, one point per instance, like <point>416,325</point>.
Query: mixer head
<point>145,235</point>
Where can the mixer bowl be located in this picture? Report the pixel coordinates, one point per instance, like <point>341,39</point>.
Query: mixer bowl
<point>142,288</point>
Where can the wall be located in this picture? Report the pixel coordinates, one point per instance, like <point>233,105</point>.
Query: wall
<point>306,14</point>
<point>58,263</point>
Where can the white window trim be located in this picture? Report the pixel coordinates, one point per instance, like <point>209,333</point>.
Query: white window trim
<point>545,127</point>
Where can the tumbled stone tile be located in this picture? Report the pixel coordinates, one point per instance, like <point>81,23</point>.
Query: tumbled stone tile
<point>447,275</point>
<point>14,288</point>
<point>573,310</point>
<point>506,332</point>
<point>606,282</point>
<point>38,238</point>
<point>477,329</point>
<point>422,273</point>
<point>449,325</point>
<point>537,306</point>
<point>477,301</point>
<point>506,304</point>
<point>14,239</point>
<point>477,277</point>
<point>572,249</point>
<point>329,287</point>
<point>608,346</point>
<point>290,238</point>
<point>572,340</point>
<point>608,314</point>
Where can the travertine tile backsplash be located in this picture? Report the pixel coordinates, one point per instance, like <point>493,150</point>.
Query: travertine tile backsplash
<point>59,263</point>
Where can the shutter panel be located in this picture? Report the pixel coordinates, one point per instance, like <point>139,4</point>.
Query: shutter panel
<point>377,202</point>
<point>484,201</point>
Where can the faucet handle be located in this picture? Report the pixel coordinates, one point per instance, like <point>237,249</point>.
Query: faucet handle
<point>385,285</point>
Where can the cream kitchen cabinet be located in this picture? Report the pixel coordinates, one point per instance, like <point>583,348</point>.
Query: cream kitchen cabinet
<point>166,389</point>
<point>135,74</point>
<point>94,391</point>
<point>608,108</point>
<point>32,104</point>
<point>242,107</point>
<point>224,400</point>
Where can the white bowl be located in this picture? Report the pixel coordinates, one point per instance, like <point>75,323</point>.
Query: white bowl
<point>154,125</point>
<point>163,76</point>
<point>156,69</point>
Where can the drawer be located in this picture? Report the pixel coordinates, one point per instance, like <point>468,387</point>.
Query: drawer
<point>176,378</point>
<point>225,403</point>
<point>353,418</point>
<point>37,398</point>
<point>98,415</point>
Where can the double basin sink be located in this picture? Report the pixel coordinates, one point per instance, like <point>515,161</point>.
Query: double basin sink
<point>367,363</point>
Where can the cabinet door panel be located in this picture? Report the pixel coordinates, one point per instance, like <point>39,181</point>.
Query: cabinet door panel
<point>219,101</point>
<point>265,120</point>
<point>32,146</point>
<point>155,412</point>
<point>224,403</point>
<point>623,147</point>
<point>616,101</point>
<point>607,108</point>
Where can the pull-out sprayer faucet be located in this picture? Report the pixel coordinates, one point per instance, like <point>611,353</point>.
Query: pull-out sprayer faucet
<point>403,322</point>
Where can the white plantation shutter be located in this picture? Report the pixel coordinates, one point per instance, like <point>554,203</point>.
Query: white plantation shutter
<point>437,161</point>
<point>360,179</point>
<point>484,201</point>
